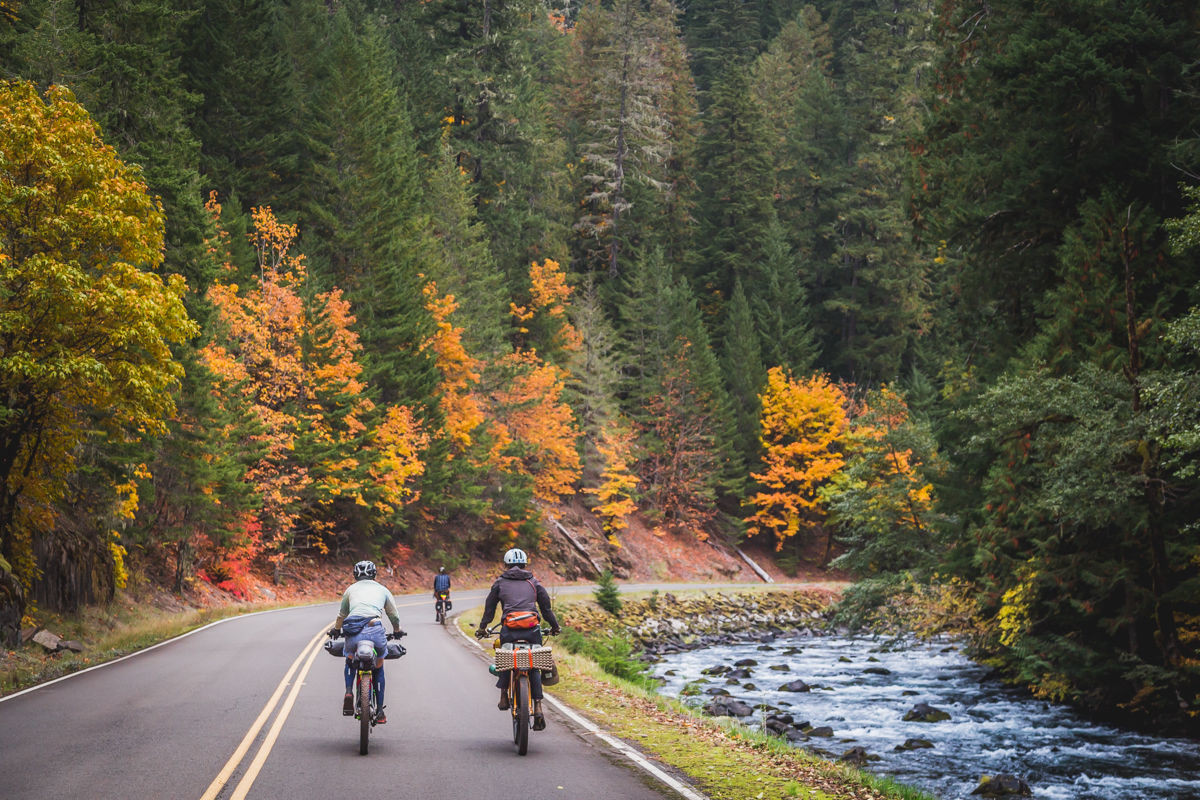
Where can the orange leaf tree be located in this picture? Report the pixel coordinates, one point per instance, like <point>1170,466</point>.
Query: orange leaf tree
<point>803,432</point>
<point>330,458</point>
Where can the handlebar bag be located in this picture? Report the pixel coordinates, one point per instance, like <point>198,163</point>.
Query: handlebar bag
<point>521,620</point>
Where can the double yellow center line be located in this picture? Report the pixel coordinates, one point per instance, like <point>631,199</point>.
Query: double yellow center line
<point>307,655</point>
<point>264,750</point>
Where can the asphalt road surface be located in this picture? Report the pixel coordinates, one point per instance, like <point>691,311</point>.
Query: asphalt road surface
<point>251,708</point>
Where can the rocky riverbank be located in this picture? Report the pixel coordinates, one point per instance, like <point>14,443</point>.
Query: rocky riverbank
<point>663,623</point>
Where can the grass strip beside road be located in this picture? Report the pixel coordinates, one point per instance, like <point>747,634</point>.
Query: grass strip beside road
<point>722,758</point>
<point>110,632</point>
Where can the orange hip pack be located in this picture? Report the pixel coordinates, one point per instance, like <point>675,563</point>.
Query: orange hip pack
<point>521,620</point>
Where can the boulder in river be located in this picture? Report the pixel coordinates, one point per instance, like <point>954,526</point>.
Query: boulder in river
<point>780,667</point>
<point>795,686</point>
<point>738,674</point>
<point>913,744</point>
<point>877,671</point>
<point>858,756</point>
<point>923,712</point>
<point>746,662</point>
<point>728,707</point>
<point>719,669</point>
<point>824,730</point>
<point>1002,785</point>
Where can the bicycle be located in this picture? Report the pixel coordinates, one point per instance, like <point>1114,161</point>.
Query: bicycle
<point>443,605</point>
<point>519,659</point>
<point>366,704</point>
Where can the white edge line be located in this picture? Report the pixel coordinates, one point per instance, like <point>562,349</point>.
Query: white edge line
<point>617,744</point>
<point>148,649</point>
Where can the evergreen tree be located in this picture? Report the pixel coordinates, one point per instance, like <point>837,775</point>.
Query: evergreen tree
<point>621,104</point>
<point>781,314</point>
<point>735,183</point>
<point>871,287</point>
<point>722,36</point>
<point>742,365</point>
<point>245,124</point>
<point>491,64</point>
<point>1002,177</point>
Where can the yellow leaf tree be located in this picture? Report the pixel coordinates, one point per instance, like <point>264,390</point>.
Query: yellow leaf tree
<point>86,325</point>
<point>803,428</point>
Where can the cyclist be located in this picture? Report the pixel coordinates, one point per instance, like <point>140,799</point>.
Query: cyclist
<point>517,590</point>
<point>441,583</point>
<point>361,618</point>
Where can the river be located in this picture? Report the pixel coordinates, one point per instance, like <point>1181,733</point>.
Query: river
<point>992,729</point>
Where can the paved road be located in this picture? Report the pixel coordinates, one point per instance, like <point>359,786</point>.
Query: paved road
<point>164,724</point>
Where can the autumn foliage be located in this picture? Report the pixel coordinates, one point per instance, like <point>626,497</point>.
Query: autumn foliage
<point>86,324</point>
<point>803,427</point>
<point>296,363</point>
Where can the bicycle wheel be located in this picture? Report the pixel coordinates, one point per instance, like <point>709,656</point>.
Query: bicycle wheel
<point>521,717</point>
<point>364,711</point>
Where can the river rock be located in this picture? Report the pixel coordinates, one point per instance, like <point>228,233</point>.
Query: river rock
<point>858,756</point>
<point>777,726</point>
<point>1002,785</point>
<point>746,662</point>
<point>717,690</point>
<point>824,730</point>
<point>738,674</point>
<point>728,707</point>
<point>877,671</point>
<point>923,712</point>
<point>795,686</point>
<point>913,744</point>
<point>719,669</point>
<point>780,667</point>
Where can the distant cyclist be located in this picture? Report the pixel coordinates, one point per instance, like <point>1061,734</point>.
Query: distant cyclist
<point>441,584</point>
<point>517,590</point>
<point>360,618</point>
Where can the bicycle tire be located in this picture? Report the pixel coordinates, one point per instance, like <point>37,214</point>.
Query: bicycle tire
<point>364,711</point>
<point>521,719</point>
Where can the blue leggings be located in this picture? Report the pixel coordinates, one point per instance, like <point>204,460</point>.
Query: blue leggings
<point>376,677</point>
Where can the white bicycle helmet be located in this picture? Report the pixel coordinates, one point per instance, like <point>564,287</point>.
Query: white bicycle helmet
<point>364,569</point>
<point>516,557</point>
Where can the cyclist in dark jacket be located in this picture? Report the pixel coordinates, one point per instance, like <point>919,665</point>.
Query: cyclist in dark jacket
<point>517,590</point>
<point>441,583</point>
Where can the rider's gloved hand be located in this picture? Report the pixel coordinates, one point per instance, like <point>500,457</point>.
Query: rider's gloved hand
<point>480,633</point>
<point>555,631</point>
<point>334,632</point>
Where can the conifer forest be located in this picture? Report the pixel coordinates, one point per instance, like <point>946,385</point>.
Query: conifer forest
<point>914,284</point>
